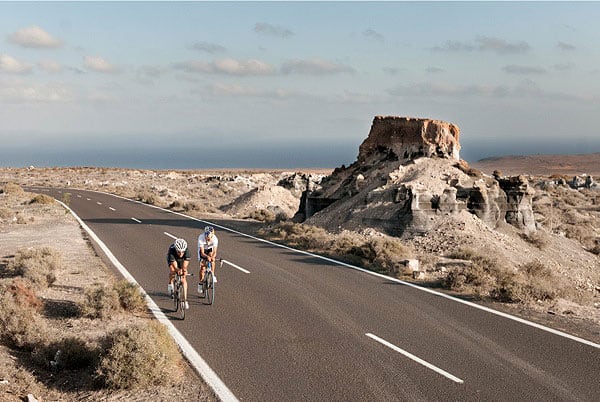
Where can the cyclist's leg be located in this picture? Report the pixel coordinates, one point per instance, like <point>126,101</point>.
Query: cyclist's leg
<point>201,270</point>
<point>171,276</point>
<point>184,283</point>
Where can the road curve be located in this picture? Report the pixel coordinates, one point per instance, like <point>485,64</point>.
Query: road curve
<point>299,327</point>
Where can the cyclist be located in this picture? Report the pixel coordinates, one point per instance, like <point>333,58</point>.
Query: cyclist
<point>178,259</point>
<point>207,251</point>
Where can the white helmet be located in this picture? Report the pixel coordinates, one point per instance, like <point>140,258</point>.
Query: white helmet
<point>180,245</point>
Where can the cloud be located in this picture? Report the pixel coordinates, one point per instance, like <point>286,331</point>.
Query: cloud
<point>484,44</point>
<point>373,35</point>
<point>207,47</point>
<point>34,37</point>
<point>565,46</point>
<point>99,65</point>
<point>50,66</point>
<point>235,90</point>
<point>22,92</point>
<point>434,70</point>
<point>227,67</point>
<point>501,46</point>
<point>523,70</point>
<point>314,67</point>
<point>454,46</point>
<point>526,89</point>
<point>392,70</point>
<point>564,66</point>
<point>10,65</point>
<point>428,89</point>
<point>272,30</point>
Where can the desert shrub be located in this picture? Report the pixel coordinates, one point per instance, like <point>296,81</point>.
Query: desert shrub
<point>480,275</point>
<point>146,197</point>
<point>177,205</point>
<point>70,353</point>
<point>263,215</point>
<point>42,199</point>
<point>11,188</point>
<point>192,206</point>
<point>130,297</point>
<point>378,254</point>
<point>5,213</point>
<point>21,326</point>
<point>37,265</point>
<point>100,302</point>
<point>538,239</point>
<point>140,356</point>
<point>535,281</point>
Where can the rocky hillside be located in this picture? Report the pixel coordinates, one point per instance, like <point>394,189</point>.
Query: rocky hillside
<point>410,184</point>
<point>544,165</point>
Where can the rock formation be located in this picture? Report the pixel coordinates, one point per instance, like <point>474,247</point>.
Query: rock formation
<point>407,176</point>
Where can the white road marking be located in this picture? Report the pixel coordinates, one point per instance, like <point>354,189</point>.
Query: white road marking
<point>170,235</point>
<point>415,358</point>
<point>78,196</point>
<point>137,220</point>
<point>98,202</point>
<point>382,276</point>
<point>236,266</point>
<point>201,367</point>
<point>89,199</point>
<point>111,208</point>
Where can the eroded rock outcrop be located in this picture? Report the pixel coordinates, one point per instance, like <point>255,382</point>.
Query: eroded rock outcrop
<point>407,176</point>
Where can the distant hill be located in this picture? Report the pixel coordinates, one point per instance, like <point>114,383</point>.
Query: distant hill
<point>541,164</point>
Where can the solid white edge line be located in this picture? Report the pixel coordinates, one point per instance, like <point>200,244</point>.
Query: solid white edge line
<point>137,220</point>
<point>236,266</point>
<point>415,358</point>
<point>170,235</point>
<point>389,278</point>
<point>188,351</point>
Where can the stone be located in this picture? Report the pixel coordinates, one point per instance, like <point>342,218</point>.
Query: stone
<point>410,266</point>
<point>408,138</point>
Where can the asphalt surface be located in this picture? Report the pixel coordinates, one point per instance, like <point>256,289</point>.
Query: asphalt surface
<point>301,328</point>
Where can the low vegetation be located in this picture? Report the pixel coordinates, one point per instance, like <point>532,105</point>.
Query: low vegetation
<point>37,264</point>
<point>381,254</point>
<point>42,199</point>
<point>486,276</point>
<point>140,356</point>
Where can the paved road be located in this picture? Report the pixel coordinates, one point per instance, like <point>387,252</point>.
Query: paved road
<point>298,327</point>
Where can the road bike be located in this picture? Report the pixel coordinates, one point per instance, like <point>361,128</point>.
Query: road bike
<point>208,284</point>
<point>178,301</point>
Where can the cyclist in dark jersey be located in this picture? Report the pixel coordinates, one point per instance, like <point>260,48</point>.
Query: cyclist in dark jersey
<point>178,259</point>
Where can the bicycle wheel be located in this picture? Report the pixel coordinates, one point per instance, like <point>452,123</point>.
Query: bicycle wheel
<point>181,306</point>
<point>175,295</point>
<point>211,288</point>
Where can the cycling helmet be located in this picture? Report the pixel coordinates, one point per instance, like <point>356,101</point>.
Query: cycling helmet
<point>209,230</point>
<point>180,245</point>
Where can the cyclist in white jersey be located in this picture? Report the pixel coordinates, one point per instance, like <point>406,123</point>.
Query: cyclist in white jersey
<point>207,251</point>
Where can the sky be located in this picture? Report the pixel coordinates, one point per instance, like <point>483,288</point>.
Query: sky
<point>174,85</point>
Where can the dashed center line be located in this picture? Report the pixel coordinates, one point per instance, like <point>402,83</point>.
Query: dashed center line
<point>415,358</point>
<point>98,202</point>
<point>111,208</point>
<point>137,220</point>
<point>170,235</point>
<point>236,266</point>
<point>89,199</point>
<point>78,196</point>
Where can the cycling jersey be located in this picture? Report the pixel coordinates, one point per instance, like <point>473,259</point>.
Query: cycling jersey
<point>173,256</point>
<point>208,245</point>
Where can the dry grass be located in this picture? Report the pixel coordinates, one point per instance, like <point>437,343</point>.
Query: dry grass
<point>21,325</point>
<point>12,188</point>
<point>380,254</point>
<point>129,296</point>
<point>42,199</point>
<point>140,356</point>
<point>37,264</point>
<point>533,281</point>
<point>100,302</point>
